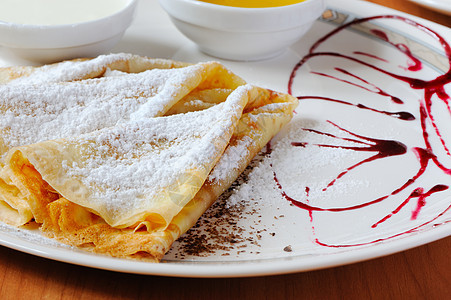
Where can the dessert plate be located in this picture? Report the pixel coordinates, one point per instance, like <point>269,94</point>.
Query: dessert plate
<point>363,170</point>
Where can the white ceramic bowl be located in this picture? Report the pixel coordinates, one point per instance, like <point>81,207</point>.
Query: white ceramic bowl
<point>242,33</point>
<point>51,43</point>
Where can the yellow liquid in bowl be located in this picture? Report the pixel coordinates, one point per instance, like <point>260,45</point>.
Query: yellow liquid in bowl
<point>253,3</point>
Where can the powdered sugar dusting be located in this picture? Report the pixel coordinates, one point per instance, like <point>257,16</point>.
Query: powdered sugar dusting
<point>38,112</point>
<point>294,165</point>
<point>168,148</point>
<point>232,227</point>
<point>71,70</point>
<point>230,159</point>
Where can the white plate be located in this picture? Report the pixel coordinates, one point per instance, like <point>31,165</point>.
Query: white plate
<point>253,229</point>
<point>443,6</point>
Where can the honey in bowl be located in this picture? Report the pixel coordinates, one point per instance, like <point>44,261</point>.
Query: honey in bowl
<point>253,3</point>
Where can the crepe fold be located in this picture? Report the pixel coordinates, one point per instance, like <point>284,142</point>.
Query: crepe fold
<point>121,154</point>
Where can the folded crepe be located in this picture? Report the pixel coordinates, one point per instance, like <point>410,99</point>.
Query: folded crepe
<point>121,154</point>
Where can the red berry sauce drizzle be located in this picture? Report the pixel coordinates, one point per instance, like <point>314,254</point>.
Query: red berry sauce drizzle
<point>382,148</point>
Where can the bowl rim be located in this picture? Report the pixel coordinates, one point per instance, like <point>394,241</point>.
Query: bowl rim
<point>245,9</point>
<point>68,25</point>
<point>26,36</point>
<point>264,19</point>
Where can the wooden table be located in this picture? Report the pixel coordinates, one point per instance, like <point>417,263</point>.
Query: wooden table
<point>420,273</point>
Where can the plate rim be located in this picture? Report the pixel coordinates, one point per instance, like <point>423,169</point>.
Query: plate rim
<point>229,269</point>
